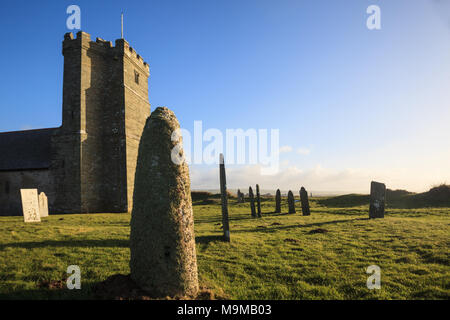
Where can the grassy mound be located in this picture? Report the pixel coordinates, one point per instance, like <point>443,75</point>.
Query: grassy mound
<point>401,199</point>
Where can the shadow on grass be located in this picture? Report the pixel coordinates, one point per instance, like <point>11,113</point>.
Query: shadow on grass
<point>237,217</point>
<point>46,294</point>
<point>317,224</point>
<point>68,243</point>
<point>208,239</point>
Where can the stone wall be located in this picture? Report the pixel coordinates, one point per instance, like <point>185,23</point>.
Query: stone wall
<point>137,110</point>
<point>12,181</point>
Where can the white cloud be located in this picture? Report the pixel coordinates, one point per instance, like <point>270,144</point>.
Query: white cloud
<point>316,179</point>
<point>303,151</point>
<point>285,149</point>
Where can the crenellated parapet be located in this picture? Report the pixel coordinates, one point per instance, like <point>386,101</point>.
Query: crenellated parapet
<point>122,47</point>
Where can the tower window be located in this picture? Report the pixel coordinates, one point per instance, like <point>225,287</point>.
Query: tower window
<point>136,76</point>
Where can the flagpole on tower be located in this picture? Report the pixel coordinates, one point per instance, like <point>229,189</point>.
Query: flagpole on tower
<point>121,20</point>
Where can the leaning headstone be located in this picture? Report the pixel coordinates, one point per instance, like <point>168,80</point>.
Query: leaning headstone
<point>291,202</point>
<point>162,241</point>
<point>224,197</point>
<point>258,201</point>
<point>30,205</point>
<point>43,205</point>
<point>377,200</point>
<point>305,202</point>
<point>278,201</point>
<point>252,201</point>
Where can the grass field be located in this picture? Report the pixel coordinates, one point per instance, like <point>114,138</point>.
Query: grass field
<point>280,256</point>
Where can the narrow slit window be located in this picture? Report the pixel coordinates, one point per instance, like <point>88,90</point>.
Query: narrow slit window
<point>136,77</point>
<point>7,187</point>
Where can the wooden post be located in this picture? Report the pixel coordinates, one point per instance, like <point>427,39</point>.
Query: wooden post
<point>224,196</point>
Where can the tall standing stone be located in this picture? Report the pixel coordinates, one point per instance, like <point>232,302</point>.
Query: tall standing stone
<point>291,202</point>
<point>30,205</point>
<point>377,200</point>
<point>43,205</point>
<point>258,201</point>
<point>162,241</point>
<point>278,201</point>
<point>252,201</point>
<point>224,197</point>
<point>305,202</point>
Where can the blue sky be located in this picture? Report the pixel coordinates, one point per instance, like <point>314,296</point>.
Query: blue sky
<point>360,105</point>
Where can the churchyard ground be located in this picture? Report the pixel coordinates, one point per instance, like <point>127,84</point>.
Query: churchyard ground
<point>278,256</point>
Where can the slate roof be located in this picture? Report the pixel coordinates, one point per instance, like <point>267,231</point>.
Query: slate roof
<point>22,150</point>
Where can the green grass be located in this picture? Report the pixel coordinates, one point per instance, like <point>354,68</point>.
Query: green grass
<point>276,257</point>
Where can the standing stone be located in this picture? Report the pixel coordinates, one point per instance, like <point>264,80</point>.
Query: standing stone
<point>278,201</point>
<point>43,205</point>
<point>305,202</point>
<point>377,200</point>
<point>258,201</point>
<point>240,196</point>
<point>162,241</point>
<point>30,205</point>
<point>224,197</point>
<point>291,202</point>
<point>252,201</point>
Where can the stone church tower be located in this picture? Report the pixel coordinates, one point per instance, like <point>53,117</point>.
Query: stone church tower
<point>105,106</point>
<point>87,165</point>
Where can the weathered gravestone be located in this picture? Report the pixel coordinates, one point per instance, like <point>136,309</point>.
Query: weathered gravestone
<point>224,197</point>
<point>252,201</point>
<point>30,205</point>
<point>258,201</point>
<point>162,241</point>
<point>305,202</point>
<point>278,201</point>
<point>43,205</point>
<point>291,202</point>
<point>377,200</point>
